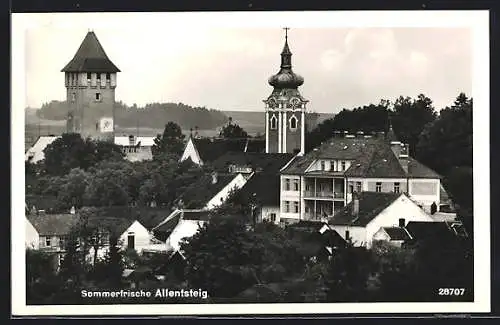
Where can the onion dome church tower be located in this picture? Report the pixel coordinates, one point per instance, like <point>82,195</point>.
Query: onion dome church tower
<point>285,109</point>
<point>90,79</point>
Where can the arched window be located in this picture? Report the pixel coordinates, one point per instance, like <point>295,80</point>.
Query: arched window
<point>274,122</point>
<point>293,122</point>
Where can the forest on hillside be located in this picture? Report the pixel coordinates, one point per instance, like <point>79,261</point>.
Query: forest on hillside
<point>154,115</point>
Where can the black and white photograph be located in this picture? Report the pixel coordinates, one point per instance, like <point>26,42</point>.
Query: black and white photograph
<point>208,163</point>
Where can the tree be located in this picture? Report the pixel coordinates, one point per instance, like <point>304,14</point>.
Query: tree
<point>73,187</point>
<point>67,152</point>
<point>227,258</point>
<point>233,131</point>
<point>368,119</point>
<point>447,142</point>
<point>409,118</point>
<point>72,151</point>
<point>348,274</point>
<point>107,187</point>
<point>171,141</point>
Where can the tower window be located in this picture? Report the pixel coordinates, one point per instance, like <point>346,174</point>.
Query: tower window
<point>293,123</point>
<point>98,97</point>
<point>274,122</point>
<point>73,97</point>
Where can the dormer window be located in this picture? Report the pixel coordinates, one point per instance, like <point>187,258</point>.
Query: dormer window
<point>274,122</point>
<point>293,122</point>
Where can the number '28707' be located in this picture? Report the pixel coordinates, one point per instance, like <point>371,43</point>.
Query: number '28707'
<point>451,291</point>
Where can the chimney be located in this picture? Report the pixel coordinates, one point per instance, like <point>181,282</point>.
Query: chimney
<point>131,140</point>
<point>401,222</point>
<point>355,204</point>
<point>214,178</point>
<point>72,210</point>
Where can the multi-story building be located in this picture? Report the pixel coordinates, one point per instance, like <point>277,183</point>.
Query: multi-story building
<point>319,184</point>
<point>90,79</point>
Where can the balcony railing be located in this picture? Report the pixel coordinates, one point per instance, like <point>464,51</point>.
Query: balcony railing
<point>324,194</point>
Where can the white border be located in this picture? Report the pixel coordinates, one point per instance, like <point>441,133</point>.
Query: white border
<point>478,21</point>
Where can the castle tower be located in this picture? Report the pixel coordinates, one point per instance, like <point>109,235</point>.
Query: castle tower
<point>90,79</point>
<point>285,109</point>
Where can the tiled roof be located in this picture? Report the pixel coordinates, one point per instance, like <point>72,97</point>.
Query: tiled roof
<point>90,57</point>
<point>371,158</point>
<point>434,230</point>
<point>211,149</point>
<point>264,185</point>
<point>378,162</point>
<point>334,148</point>
<point>53,224</point>
<point>418,170</point>
<point>266,162</point>
<point>198,195</point>
<point>370,205</point>
<point>397,233</point>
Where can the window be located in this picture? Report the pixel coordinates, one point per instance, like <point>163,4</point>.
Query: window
<point>333,165</point>
<point>295,184</point>
<point>358,187</point>
<point>296,207</point>
<point>347,235</point>
<point>274,123</point>
<point>351,188</point>
<point>131,240</point>
<point>89,76</point>
<point>273,217</point>
<point>62,242</point>
<point>396,187</point>
<point>287,184</point>
<point>293,123</point>
<point>108,76</point>
<point>73,97</point>
<point>378,187</point>
<point>98,77</point>
<point>287,206</point>
<point>322,165</point>
<point>98,96</point>
<point>343,165</point>
<point>47,241</point>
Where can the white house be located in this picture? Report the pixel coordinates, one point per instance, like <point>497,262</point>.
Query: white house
<point>320,183</point>
<point>394,235</point>
<point>363,217</point>
<point>181,224</point>
<point>35,152</point>
<point>136,148</point>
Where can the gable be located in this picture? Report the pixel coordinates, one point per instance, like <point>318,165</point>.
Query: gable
<point>191,152</point>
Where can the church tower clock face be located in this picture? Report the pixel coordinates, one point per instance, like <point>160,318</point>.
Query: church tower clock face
<point>285,109</point>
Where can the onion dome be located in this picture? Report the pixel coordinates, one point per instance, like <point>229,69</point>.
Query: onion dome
<point>286,78</point>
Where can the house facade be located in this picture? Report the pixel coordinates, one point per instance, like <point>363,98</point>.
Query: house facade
<point>368,212</point>
<point>136,148</point>
<point>317,185</point>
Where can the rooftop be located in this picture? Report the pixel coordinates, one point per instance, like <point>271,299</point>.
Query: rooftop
<point>370,205</point>
<point>397,233</point>
<point>199,193</point>
<point>90,57</point>
<point>211,149</point>
<point>53,224</point>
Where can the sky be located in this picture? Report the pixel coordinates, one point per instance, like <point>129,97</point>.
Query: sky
<point>227,67</point>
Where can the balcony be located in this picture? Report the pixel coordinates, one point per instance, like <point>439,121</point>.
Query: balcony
<point>324,195</point>
<point>315,217</point>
